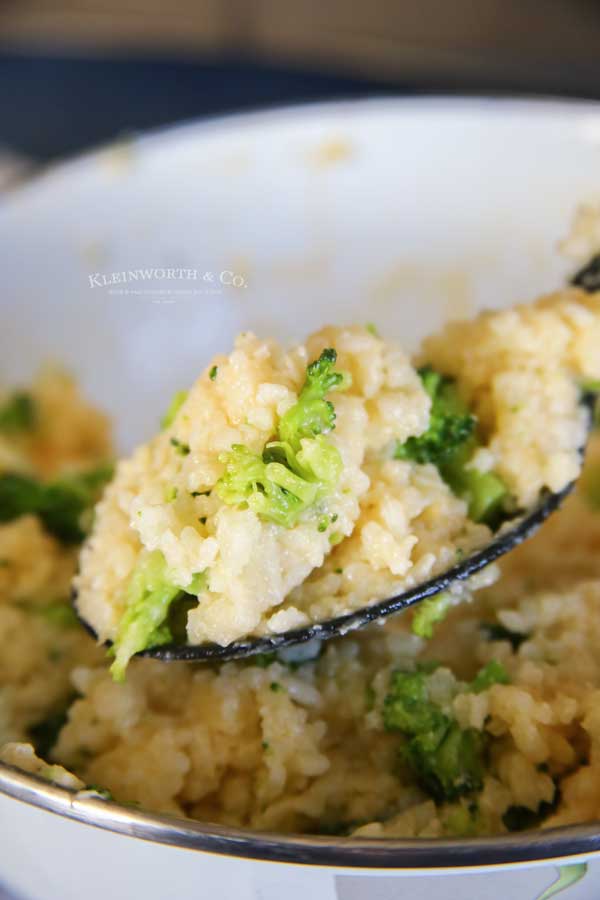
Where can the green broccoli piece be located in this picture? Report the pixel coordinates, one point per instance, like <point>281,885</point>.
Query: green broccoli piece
<point>18,413</point>
<point>62,505</point>
<point>407,707</point>
<point>429,613</point>
<point>485,493</point>
<point>20,495</point>
<point>179,398</point>
<point>449,443</point>
<point>492,673</point>
<point>312,414</point>
<point>272,490</point>
<point>447,761</point>
<point>150,593</point>
<point>67,503</point>
<point>301,466</point>
<point>450,423</point>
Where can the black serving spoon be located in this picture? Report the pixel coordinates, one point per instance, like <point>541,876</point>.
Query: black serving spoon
<point>509,537</point>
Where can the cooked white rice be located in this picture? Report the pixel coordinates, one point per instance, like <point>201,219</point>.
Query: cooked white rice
<point>302,747</point>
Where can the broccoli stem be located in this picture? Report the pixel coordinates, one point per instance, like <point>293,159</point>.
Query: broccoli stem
<point>150,594</point>
<point>484,492</point>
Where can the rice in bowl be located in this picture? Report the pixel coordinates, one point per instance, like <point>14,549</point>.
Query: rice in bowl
<point>488,725</point>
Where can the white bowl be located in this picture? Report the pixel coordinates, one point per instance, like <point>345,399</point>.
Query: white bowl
<point>397,212</point>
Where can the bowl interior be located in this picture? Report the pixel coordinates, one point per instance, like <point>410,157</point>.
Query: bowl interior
<point>133,265</point>
<point>400,213</point>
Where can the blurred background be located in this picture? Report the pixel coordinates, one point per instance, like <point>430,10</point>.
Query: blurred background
<point>76,72</point>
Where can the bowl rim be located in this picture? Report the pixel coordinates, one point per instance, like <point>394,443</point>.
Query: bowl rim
<point>562,845</point>
<point>488,104</point>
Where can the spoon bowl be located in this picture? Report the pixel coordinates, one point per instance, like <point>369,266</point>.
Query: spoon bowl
<point>509,536</point>
<point>506,540</point>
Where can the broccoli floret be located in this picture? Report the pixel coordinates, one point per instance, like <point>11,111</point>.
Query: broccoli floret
<point>446,760</point>
<point>407,707</point>
<point>19,496</point>
<point>272,490</point>
<point>449,443</point>
<point>312,414</point>
<point>150,593</point>
<point>492,673</point>
<point>484,492</point>
<point>18,413</point>
<point>450,423</point>
<point>279,484</point>
<point>298,468</point>
<point>156,610</point>
<point>448,763</point>
<point>179,398</point>
<point>429,613</point>
<point>67,503</point>
<point>61,505</point>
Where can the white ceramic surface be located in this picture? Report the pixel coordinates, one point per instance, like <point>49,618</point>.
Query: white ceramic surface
<point>399,213</point>
<point>50,858</point>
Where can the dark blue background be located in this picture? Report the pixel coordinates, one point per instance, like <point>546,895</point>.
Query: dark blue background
<point>50,106</point>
